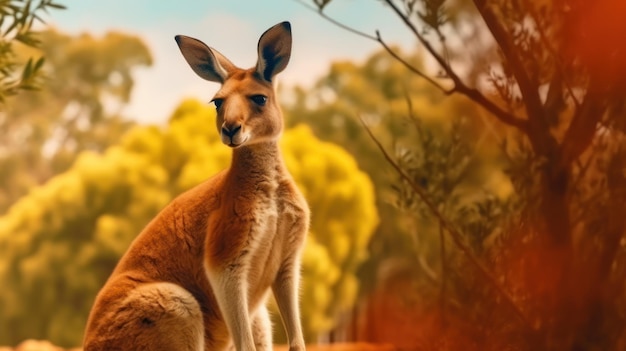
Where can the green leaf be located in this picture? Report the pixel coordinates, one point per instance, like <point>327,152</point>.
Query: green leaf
<point>26,73</point>
<point>57,6</point>
<point>11,27</point>
<point>39,63</point>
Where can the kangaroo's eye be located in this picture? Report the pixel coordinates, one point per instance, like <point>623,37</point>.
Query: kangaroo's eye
<point>217,102</point>
<point>259,99</point>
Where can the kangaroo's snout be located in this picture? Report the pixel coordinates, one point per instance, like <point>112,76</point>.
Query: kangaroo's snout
<point>230,131</point>
<point>232,134</point>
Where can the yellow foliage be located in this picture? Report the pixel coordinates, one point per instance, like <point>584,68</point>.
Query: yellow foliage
<point>59,244</point>
<point>343,219</point>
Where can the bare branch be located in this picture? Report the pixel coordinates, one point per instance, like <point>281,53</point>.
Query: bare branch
<point>559,66</point>
<point>442,62</point>
<point>335,22</point>
<point>444,269</point>
<point>378,39</point>
<point>500,114</point>
<point>430,274</point>
<point>540,136</point>
<point>445,225</point>
<point>442,40</point>
<point>459,86</point>
<point>423,264</point>
<point>411,67</point>
<point>584,124</point>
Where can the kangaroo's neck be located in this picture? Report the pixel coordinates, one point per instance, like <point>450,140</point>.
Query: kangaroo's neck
<point>259,160</point>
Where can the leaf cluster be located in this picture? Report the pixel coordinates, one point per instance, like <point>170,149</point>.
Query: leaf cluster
<point>17,18</point>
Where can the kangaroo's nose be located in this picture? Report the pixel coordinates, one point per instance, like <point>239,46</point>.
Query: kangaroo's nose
<point>230,132</point>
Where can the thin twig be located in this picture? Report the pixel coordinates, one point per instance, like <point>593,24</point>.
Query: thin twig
<point>411,67</point>
<point>583,126</point>
<point>459,85</point>
<point>378,39</point>
<point>444,269</point>
<point>428,272</point>
<point>456,236</point>
<point>582,169</point>
<point>539,134</point>
<point>560,67</point>
<point>500,114</point>
<point>444,46</point>
<point>335,22</point>
<point>442,62</point>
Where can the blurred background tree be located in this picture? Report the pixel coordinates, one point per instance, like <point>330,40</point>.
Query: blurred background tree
<point>60,243</point>
<point>553,74</point>
<point>449,151</point>
<point>331,106</point>
<point>88,82</point>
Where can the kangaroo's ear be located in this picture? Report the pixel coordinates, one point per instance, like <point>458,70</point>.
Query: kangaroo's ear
<point>274,50</point>
<point>208,63</point>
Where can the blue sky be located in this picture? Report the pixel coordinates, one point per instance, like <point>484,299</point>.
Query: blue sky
<point>232,27</point>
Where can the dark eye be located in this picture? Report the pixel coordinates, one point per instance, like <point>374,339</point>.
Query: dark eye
<point>259,99</point>
<point>217,102</point>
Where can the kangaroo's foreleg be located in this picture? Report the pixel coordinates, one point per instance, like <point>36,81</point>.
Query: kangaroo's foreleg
<point>285,289</point>
<point>262,329</point>
<point>230,288</point>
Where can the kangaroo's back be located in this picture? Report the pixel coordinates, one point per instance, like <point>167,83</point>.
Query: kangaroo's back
<point>198,275</point>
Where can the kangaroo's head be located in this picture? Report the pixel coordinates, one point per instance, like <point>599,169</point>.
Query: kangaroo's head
<point>247,110</point>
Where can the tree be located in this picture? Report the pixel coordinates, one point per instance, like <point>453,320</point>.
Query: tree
<point>44,131</point>
<point>553,73</point>
<point>380,92</point>
<point>341,198</point>
<point>330,108</point>
<point>60,243</point>
<point>16,21</point>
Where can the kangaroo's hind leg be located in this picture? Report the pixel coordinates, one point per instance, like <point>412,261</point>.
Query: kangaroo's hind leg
<point>155,316</point>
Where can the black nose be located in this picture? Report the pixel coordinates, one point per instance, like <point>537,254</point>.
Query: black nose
<point>231,132</point>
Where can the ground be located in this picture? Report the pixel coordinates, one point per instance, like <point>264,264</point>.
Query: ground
<point>36,345</point>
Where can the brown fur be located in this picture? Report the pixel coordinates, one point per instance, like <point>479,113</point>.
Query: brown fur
<point>198,276</point>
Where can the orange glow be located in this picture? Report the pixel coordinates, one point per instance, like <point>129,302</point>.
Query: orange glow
<point>596,34</point>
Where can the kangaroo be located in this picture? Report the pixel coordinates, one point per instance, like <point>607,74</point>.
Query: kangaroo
<point>198,276</point>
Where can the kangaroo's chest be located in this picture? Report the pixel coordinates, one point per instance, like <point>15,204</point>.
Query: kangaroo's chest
<point>262,253</point>
<point>263,213</point>
<point>243,227</point>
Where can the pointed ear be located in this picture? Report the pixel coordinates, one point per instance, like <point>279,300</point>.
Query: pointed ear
<point>206,62</point>
<point>274,50</point>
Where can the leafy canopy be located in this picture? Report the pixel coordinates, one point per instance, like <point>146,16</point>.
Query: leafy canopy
<point>60,243</point>
<point>89,80</point>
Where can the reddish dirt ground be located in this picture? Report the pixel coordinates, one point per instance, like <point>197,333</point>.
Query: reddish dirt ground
<point>35,345</point>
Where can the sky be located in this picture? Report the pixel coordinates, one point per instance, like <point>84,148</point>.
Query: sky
<point>232,27</point>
